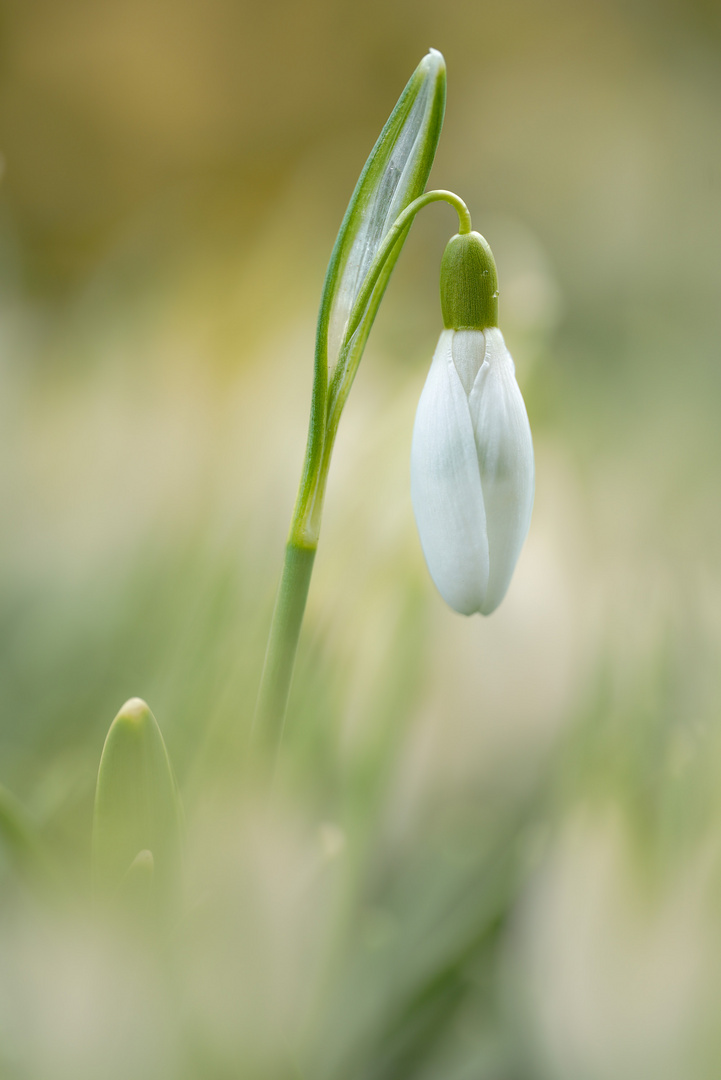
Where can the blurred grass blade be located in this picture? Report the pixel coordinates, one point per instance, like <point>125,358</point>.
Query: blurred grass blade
<point>394,175</point>
<point>21,842</point>
<point>137,811</point>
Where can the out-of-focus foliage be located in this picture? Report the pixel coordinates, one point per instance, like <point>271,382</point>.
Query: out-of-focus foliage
<point>493,851</point>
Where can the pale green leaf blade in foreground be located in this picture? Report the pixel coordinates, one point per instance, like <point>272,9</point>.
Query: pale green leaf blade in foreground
<point>137,810</point>
<point>20,842</point>
<point>394,175</point>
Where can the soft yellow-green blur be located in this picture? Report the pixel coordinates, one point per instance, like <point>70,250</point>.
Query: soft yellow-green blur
<point>494,846</point>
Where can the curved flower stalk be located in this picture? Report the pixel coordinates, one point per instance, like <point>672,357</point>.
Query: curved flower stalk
<point>472,468</point>
<point>375,226</point>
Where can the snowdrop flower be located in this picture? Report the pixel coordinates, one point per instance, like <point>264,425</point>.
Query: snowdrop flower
<point>472,471</point>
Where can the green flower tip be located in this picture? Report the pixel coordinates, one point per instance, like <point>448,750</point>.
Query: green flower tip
<point>469,283</point>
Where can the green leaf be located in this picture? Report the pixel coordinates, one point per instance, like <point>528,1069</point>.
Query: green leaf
<point>394,175</point>
<point>137,822</point>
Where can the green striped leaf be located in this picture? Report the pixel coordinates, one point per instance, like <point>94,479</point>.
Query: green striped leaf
<point>394,175</point>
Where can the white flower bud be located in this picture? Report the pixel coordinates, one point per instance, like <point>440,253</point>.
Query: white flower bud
<point>472,470</point>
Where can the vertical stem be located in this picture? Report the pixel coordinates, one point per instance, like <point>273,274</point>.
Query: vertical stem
<point>325,414</point>
<point>282,645</point>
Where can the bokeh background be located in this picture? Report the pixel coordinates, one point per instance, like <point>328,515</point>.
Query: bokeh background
<point>495,847</point>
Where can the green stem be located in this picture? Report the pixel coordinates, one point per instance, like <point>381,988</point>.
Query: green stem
<point>328,402</point>
<point>283,645</point>
<point>363,313</point>
<point>326,407</point>
<point>345,372</point>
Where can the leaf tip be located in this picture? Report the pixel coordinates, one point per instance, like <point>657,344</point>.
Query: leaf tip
<point>135,711</point>
<point>434,62</point>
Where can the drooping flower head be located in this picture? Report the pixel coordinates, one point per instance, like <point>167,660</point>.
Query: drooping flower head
<point>472,468</point>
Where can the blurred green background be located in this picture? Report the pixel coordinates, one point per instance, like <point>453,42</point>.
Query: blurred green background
<point>495,851</point>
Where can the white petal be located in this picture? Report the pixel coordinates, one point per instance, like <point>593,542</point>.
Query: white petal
<point>469,350</point>
<point>505,456</point>
<point>446,486</point>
